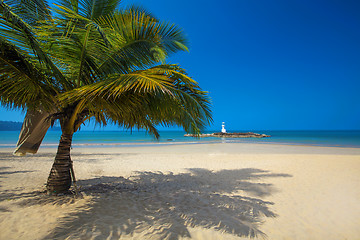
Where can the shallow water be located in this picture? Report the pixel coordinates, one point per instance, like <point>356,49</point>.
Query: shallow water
<point>140,138</point>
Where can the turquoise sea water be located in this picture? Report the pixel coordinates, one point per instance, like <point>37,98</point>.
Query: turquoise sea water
<point>136,138</point>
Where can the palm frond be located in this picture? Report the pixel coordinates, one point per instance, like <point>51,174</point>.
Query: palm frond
<point>142,10</point>
<point>78,52</point>
<point>127,114</point>
<point>160,95</point>
<point>139,40</point>
<point>25,35</point>
<point>21,84</point>
<point>31,11</point>
<point>96,63</point>
<point>89,9</point>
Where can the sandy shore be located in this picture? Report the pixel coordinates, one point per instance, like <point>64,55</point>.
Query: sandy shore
<point>201,191</point>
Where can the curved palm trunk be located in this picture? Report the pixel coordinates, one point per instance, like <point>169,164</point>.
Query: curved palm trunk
<point>59,180</point>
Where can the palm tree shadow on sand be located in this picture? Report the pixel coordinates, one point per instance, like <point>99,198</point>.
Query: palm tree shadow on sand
<point>163,206</point>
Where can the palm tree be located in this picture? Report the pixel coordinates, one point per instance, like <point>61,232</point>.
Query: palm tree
<point>87,61</point>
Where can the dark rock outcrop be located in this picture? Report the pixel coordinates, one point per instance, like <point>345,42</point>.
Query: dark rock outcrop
<point>230,135</point>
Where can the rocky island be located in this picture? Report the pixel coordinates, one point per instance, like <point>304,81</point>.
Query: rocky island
<point>224,134</point>
<point>229,135</point>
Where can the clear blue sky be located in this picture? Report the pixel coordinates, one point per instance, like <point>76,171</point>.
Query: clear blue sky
<point>275,65</point>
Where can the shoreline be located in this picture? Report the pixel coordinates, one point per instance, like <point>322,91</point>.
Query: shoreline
<point>171,143</point>
<point>242,147</point>
<point>349,139</point>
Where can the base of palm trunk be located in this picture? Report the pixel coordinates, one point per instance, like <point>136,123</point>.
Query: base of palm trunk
<point>59,180</point>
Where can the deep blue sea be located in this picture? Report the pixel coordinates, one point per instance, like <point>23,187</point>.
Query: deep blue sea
<point>140,138</point>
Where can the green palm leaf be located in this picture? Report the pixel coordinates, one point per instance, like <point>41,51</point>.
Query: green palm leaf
<point>166,96</point>
<point>21,84</point>
<point>31,11</point>
<point>139,40</point>
<point>85,61</point>
<point>89,9</point>
<point>22,34</point>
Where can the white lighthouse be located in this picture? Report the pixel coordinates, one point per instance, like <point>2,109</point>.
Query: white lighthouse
<point>223,130</point>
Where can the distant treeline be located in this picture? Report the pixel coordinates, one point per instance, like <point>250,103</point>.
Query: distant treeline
<point>16,126</point>
<point>10,126</point>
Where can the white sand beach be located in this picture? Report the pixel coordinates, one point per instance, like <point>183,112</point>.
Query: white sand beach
<point>199,191</point>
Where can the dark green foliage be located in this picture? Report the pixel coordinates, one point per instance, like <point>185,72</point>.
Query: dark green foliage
<point>88,60</point>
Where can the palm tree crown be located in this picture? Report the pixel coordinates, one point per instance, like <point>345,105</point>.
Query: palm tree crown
<point>87,60</point>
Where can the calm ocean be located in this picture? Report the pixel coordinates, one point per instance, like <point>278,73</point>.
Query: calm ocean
<point>126,138</point>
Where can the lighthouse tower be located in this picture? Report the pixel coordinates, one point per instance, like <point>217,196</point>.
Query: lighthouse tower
<point>223,130</point>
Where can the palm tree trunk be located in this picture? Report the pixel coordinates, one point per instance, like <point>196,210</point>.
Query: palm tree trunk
<point>59,180</point>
